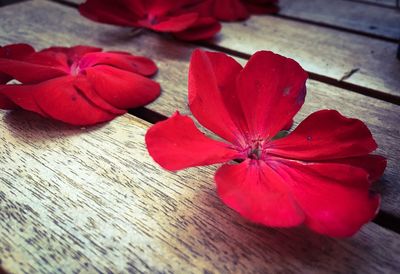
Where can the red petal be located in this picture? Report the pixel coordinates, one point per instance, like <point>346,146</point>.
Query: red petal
<point>59,98</point>
<point>162,7</point>
<point>176,144</point>
<point>173,24</point>
<point>255,191</point>
<point>16,51</point>
<point>6,103</point>
<point>289,125</point>
<point>229,10</point>
<point>41,67</point>
<point>334,197</point>
<point>22,96</point>
<point>124,61</point>
<point>73,54</point>
<point>324,135</point>
<point>122,89</point>
<point>206,72</point>
<point>271,89</point>
<point>87,90</point>
<point>204,28</point>
<point>124,13</point>
<point>374,165</point>
<point>4,78</point>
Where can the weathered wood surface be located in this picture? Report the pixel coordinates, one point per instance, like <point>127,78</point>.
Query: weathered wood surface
<point>356,16</point>
<point>93,200</point>
<point>381,117</point>
<point>320,50</point>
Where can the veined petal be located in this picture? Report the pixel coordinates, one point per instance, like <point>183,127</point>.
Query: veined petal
<point>254,190</point>
<point>162,7</point>
<point>48,68</point>
<point>335,197</point>
<point>61,98</point>
<point>204,28</point>
<point>4,78</point>
<point>325,135</point>
<point>120,88</point>
<point>174,23</point>
<point>86,88</point>
<point>21,96</point>
<point>16,51</point>
<point>6,103</point>
<point>124,61</point>
<point>229,10</point>
<point>206,73</point>
<point>176,144</point>
<point>73,54</point>
<point>271,90</point>
<point>119,12</point>
<point>374,165</point>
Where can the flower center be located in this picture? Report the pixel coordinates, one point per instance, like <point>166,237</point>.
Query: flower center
<point>255,150</point>
<point>75,69</point>
<point>152,19</point>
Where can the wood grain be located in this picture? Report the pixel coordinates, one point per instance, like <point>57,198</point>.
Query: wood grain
<point>379,21</point>
<point>172,58</point>
<point>91,200</point>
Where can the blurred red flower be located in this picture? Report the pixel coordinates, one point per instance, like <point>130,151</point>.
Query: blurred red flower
<point>80,85</point>
<point>319,175</point>
<point>158,15</point>
<point>189,20</point>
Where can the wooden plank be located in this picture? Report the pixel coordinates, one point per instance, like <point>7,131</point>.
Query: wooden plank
<point>92,200</point>
<point>368,19</point>
<point>65,27</point>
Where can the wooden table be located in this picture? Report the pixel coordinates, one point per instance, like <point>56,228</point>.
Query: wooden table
<point>84,200</point>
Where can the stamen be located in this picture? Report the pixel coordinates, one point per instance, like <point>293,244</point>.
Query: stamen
<point>255,150</point>
<point>75,69</point>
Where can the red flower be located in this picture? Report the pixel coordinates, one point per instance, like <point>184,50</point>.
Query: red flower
<point>158,15</point>
<point>319,175</point>
<point>79,85</point>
